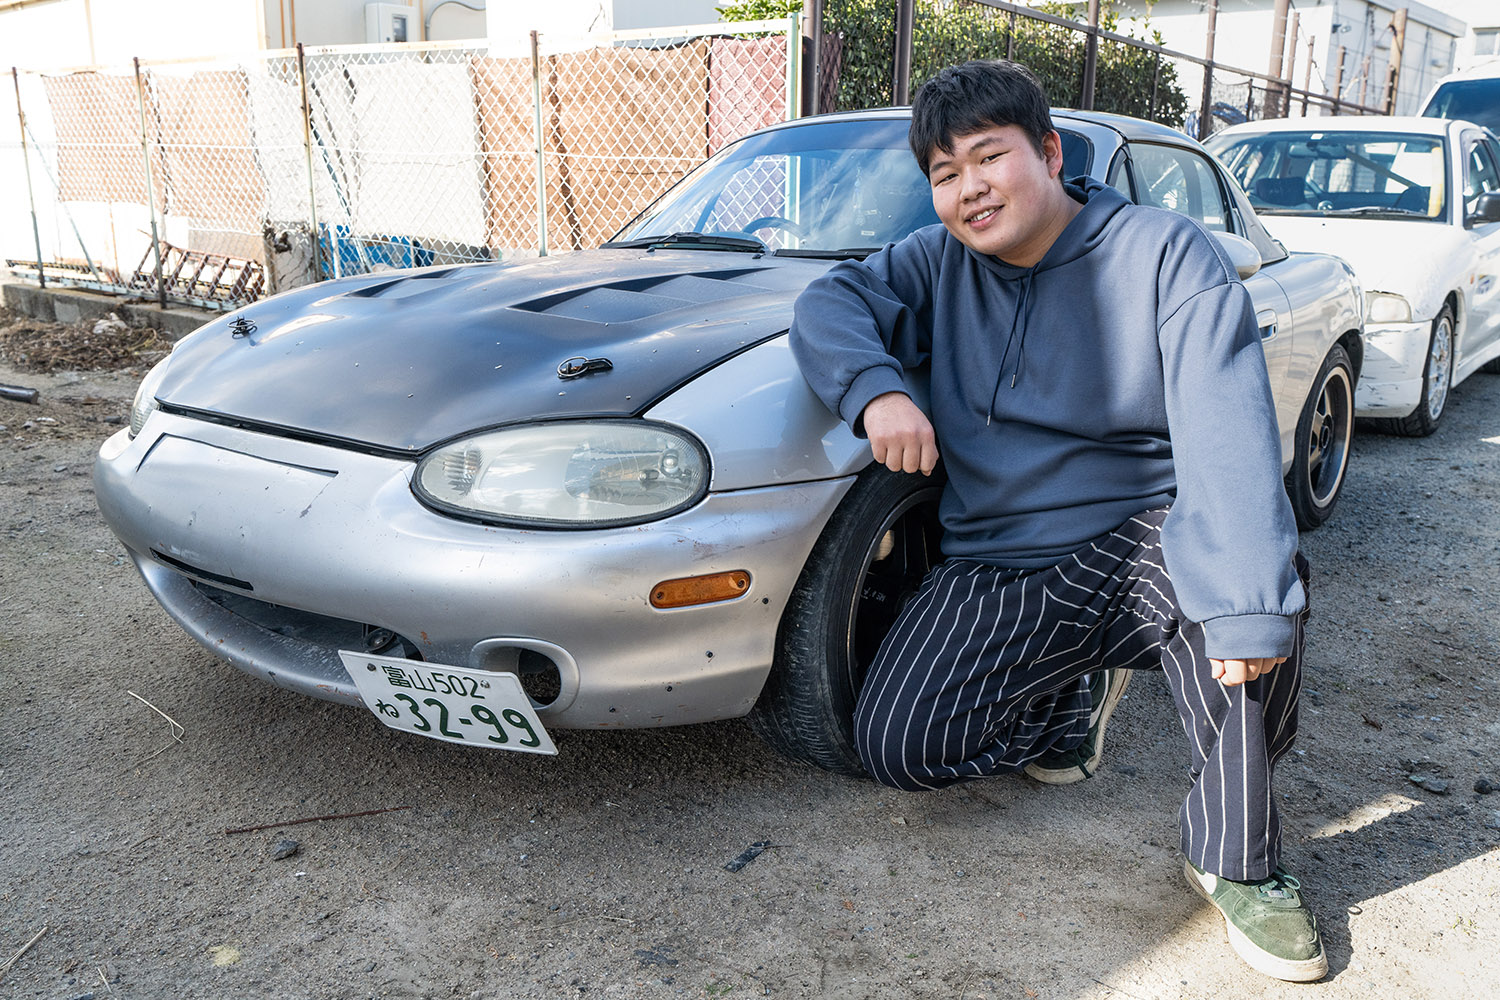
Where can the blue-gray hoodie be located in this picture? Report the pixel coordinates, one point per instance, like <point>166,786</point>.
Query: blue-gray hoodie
<point>1123,372</point>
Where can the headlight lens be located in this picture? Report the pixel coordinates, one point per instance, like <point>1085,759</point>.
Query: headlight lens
<point>567,474</point>
<point>145,396</point>
<point>1385,307</point>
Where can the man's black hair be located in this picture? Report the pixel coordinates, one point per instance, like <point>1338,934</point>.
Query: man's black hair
<point>972,97</point>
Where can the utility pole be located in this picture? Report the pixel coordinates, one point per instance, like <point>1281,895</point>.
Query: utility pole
<point>1278,46</point>
<point>1338,81</point>
<point>1307,75</point>
<point>1291,62</point>
<point>1393,72</point>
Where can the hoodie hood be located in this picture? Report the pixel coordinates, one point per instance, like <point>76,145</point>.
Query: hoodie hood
<point>1082,235</point>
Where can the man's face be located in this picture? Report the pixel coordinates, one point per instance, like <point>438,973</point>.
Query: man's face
<point>997,195</point>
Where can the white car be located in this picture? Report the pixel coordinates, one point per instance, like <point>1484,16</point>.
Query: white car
<point>1413,204</point>
<point>1473,95</point>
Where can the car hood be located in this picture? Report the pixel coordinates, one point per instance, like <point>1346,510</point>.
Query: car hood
<point>403,361</point>
<point>1416,259</point>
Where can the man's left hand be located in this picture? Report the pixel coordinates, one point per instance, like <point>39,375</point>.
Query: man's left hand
<point>1234,672</point>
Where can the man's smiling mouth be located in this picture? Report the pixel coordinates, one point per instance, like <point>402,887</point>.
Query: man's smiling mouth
<point>982,216</point>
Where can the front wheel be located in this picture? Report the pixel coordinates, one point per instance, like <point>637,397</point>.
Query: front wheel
<point>872,556</point>
<point>1325,431</point>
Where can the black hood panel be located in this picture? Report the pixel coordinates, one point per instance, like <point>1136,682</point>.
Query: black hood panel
<point>400,362</point>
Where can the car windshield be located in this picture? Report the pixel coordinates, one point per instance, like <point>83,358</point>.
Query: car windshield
<point>1377,174</point>
<point>1477,101</point>
<point>819,189</point>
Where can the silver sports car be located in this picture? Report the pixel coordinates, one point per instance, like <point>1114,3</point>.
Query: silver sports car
<point>493,501</point>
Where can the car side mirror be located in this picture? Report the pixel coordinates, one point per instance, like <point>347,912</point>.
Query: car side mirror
<point>1486,209</point>
<point>1242,254</point>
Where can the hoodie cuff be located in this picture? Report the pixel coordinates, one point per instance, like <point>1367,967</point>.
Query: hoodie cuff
<point>866,386</point>
<point>1243,637</point>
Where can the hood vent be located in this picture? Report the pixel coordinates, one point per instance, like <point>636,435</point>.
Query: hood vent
<point>642,298</point>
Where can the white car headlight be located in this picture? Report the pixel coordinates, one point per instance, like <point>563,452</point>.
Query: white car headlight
<point>145,396</point>
<point>1386,307</point>
<point>566,474</point>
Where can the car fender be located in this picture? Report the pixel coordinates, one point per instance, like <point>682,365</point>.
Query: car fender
<point>762,423</point>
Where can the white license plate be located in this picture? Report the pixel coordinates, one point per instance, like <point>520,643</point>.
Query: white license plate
<point>479,708</point>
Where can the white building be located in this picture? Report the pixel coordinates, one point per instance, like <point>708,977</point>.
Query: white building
<point>51,34</point>
<point>1354,34</point>
<point>1482,43</point>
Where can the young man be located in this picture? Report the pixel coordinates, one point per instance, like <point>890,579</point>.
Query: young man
<point>1114,498</point>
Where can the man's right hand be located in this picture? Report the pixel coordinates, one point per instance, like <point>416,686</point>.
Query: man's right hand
<point>900,434</point>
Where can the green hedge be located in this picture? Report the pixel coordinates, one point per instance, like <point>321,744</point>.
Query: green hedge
<point>952,31</point>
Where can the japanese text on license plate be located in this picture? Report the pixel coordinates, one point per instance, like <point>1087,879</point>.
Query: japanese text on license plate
<point>476,707</point>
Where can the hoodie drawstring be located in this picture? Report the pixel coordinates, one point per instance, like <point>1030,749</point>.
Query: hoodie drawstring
<point>1017,322</point>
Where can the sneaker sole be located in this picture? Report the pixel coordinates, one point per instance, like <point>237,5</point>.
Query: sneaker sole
<point>1070,775</point>
<point>1290,970</point>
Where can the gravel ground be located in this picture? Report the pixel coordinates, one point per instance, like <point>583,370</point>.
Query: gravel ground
<point>601,871</point>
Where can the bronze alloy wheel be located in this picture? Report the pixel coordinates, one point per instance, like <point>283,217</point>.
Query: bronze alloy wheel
<point>1325,432</point>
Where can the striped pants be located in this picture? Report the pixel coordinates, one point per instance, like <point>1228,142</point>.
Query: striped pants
<point>987,669</point>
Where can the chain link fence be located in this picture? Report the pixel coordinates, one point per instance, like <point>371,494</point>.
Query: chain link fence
<point>213,183</point>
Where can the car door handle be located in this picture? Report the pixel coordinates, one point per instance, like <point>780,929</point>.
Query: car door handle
<point>1266,320</point>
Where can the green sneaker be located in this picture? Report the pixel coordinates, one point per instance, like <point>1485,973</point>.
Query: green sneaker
<point>1269,925</point>
<point>1068,766</point>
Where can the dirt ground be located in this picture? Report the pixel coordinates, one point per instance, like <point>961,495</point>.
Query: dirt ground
<point>600,872</point>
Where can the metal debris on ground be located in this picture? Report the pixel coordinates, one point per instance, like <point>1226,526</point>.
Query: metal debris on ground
<point>37,346</point>
<point>315,819</point>
<point>17,393</point>
<point>175,730</point>
<point>750,854</point>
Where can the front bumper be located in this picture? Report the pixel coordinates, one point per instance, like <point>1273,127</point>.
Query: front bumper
<point>1390,383</point>
<point>208,512</point>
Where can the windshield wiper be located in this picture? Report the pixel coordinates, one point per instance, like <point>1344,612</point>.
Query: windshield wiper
<point>842,254</point>
<point>1373,210</point>
<point>742,244</point>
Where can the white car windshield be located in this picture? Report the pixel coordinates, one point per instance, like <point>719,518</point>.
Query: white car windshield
<point>1377,174</point>
<point>1477,101</point>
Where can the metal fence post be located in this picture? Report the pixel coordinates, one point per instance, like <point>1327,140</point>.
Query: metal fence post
<point>906,16</point>
<point>1155,84</point>
<point>140,92</point>
<point>36,232</point>
<point>541,165</point>
<point>1205,112</point>
<point>1090,57</point>
<point>307,145</point>
<point>1010,37</point>
<point>812,21</point>
<point>794,66</point>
